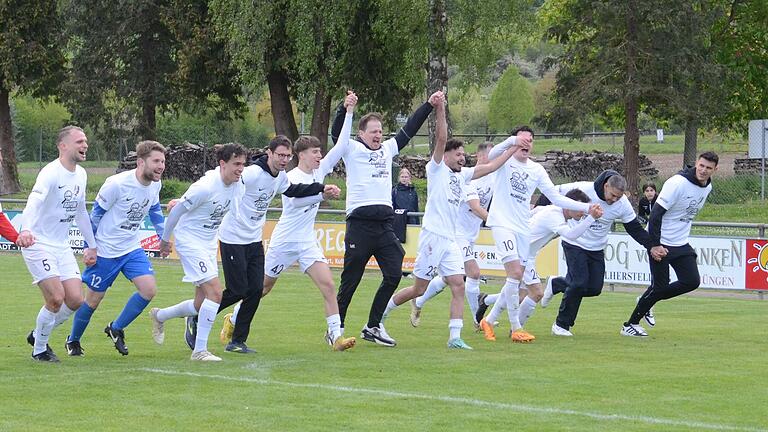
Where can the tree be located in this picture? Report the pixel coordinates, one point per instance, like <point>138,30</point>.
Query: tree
<point>31,61</point>
<point>311,51</point>
<point>133,57</point>
<point>511,103</point>
<point>605,65</point>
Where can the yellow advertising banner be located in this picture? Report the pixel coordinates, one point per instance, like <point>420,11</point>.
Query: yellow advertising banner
<point>330,235</point>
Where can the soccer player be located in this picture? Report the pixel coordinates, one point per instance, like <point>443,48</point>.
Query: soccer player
<point>293,238</point>
<point>472,213</point>
<point>545,225</point>
<point>123,202</point>
<point>438,250</point>
<point>369,231</point>
<point>57,199</point>
<point>195,220</point>
<point>680,200</point>
<point>241,245</point>
<point>585,255</point>
<point>509,218</point>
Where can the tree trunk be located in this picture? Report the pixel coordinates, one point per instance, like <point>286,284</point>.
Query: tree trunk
<point>631,133</point>
<point>437,66</point>
<point>9,175</point>
<point>321,114</point>
<point>280,102</point>
<point>148,125</point>
<point>691,136</point>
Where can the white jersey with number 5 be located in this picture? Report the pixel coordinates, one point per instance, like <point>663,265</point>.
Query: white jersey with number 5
<point>59,192</point>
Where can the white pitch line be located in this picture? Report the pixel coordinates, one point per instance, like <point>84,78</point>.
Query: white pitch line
<point>465,401</point>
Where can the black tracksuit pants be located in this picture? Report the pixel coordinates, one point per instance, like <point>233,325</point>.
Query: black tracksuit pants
<point>244,279</point>
<point>586,273</point>
<point>363,239</point>
<point>683,260</point>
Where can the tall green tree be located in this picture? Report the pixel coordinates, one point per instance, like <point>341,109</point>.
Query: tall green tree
<point>608,54</point>
<point>31,61</point>
<point>132,58</point>
<point>311,51</point>
<point>511,102</point>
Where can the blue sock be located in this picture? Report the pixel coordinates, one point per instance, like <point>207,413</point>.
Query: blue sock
<point>132,309</point>
<point>80,322</point>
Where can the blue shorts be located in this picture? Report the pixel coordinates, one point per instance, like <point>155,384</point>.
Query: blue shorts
<point>100,276</point>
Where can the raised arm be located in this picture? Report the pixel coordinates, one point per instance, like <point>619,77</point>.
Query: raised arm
<point>414,122</point>
<point>342,140</point>
<point>494,164</point>
<point>441,126</point>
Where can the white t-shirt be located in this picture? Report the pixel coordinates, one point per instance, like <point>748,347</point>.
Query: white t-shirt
<point>683,201</point>
<point>369,172</point>
<point>548,222</point>
<point>127,203</point>
<point>207,201</point>
<point>596,237</point>
<point>446,190</point>
<point>59,192</point>
<point>480,189</point>
<point>245,225</point>
<point>515,183</point>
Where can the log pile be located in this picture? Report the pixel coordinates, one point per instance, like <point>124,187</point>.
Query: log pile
<point>581,166</point>
<point>186,162</point>
<point>748,166</point>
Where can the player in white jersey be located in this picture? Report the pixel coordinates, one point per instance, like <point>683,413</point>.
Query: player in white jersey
<point>57,199</point>
<point>195,221</point>
<point>680,200</point>
<point>369,230</point>
<point>509,216</point>
<point>546,224</point>
<point>122,204</point>
<point>585,255</point>
<point>472,213</point>
<point>241,244</point>
<point>438,251</point>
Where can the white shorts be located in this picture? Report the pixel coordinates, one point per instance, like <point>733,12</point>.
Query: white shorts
<point>199,266</point>
<point>467,248</point>
<point>530,277</point>
<point>510,245</point>
<point>437,255</point>
<point>45,262</point>
<point>282,255</point>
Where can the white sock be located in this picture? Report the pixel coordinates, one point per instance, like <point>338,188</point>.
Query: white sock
<point>435,287</point>
<point>183,309</point>
<point>512,296</point>
<point>498,306</point>
<point>527,307</point>
<point>334,325</point>
<point>233,318</point>
<point>205,320</point>
<point>454,326</point>
<point>471,291</point>
<point>43,329</point>
<point>62,315</point>
<point>390,307</point>
<point>491,299</point>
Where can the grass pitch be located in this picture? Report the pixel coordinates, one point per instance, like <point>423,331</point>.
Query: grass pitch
<point>703,368</point>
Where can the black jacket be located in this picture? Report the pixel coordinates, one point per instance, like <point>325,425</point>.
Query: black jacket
<point>405,197</point>
<point>644,208</point>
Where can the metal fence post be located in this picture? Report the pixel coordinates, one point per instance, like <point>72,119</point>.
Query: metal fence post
<point>762,170</point>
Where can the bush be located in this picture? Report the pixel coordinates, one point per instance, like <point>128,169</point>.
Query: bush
<point>172,189</point>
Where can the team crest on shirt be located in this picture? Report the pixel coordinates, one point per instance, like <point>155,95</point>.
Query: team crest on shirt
<point>217,215</point>
<point>69,204</point>
<point>261,204</point>
<point>692,210</point>
<point>484,195</point>
<point>455,186</point>
<point>135,216</point>
<point>517,182</point>
<point>379,164</point>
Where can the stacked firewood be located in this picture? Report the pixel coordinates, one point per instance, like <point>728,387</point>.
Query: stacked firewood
<point>580,166</point>
<point>186,162</point>
<point>749,166</point>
